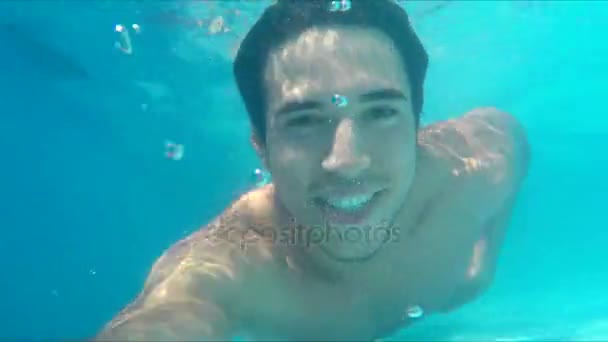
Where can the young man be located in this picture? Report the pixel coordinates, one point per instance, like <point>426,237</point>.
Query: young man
<point>371,222</point>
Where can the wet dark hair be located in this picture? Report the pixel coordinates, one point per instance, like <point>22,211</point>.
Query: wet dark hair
<point>289,18</point>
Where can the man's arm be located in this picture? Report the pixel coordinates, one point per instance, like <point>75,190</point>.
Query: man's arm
<point>184,298</point>
<point>498,155</point>
<point>482,268</point>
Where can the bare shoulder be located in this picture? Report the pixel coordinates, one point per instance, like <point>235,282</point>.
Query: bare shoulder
<point>480,133</point>
<point>496,130</point>
<point>499,141</point>
<point>230,240</point>
<point>487,151</point>
<point>218,243</point>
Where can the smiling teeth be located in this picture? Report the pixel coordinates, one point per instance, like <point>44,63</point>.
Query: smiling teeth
<point>349,203</point>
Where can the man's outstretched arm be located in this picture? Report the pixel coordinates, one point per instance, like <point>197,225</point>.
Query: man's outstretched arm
<point>172,321</point>
<point>183,299</point>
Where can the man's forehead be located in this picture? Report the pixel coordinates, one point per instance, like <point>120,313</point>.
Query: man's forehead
<point>345,59</point>
<point>344,42</point>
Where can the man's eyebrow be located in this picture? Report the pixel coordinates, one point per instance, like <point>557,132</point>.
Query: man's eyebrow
<point>295,106</point>
<point>383,94</point>
<point>374,95</point>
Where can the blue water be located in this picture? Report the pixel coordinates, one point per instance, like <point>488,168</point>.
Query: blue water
<point>88,198</point>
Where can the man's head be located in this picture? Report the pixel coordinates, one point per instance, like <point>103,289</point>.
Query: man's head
<point>334,99</point>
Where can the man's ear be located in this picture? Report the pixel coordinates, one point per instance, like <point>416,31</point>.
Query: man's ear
<point>259,147</point>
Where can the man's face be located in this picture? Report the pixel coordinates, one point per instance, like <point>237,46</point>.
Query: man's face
<point>341,136</point>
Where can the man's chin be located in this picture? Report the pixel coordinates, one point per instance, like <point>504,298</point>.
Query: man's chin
<point>349,256</point>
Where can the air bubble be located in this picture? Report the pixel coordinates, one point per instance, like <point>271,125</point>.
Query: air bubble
<point>335,6</point>
<point>339,100</point>
<point>340,6</point>
<point>174,151</point>
<point>260,177</point>
<point>217,25</point>
<point>124,40</point>
<point>346,5</point>
<point>414,311</point>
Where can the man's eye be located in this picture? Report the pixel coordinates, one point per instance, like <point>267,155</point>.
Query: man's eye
<point>380,113</point>
<point>305,121</point>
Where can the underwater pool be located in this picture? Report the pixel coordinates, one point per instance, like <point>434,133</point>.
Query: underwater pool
<point>115,114</point>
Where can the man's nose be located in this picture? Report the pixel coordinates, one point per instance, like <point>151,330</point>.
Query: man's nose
<point>345,157</point>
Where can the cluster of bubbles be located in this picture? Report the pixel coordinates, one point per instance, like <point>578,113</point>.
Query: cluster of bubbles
<point>173,150</point>
<point>216,26</point>
<point>123,43</point>
<point>340,6</point>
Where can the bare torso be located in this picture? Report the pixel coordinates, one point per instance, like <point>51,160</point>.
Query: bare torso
<point>285,301</point>
<point>449,230</point>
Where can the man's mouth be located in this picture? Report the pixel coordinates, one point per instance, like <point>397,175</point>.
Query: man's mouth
<point>352,210</point>
<point>349,203</point>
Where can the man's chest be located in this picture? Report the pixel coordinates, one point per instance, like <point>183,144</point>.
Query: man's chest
<point>418,269</point>
<point>430,262</point>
